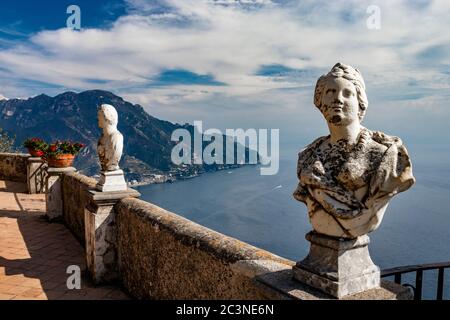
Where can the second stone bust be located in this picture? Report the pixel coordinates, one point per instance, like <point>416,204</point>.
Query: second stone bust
<point>110,145</point>
<point>347,178</point>
<point>110,148</point>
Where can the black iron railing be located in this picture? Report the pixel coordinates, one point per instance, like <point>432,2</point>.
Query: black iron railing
<point>419,269</point>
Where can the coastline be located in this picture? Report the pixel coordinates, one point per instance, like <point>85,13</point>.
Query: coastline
<point>172,179</point>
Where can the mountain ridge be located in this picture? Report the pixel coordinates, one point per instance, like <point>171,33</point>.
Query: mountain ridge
<point>73,116</point>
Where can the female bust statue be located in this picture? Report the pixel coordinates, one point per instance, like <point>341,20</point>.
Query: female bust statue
<point>110,145</point>
<point>347,178</point>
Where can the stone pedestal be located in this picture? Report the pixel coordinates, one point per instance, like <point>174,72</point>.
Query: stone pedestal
<point>36,173</point>
<point>53,192</point>
<point>338,266</point>
<point>112,181</point>
<point>100,233</point>
<point>278,281</point>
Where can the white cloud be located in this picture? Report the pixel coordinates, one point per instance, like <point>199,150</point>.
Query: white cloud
<point>229,43</point>
<point>231,40</point>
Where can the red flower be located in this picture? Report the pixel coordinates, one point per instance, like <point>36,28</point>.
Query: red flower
<point>52,148</point>
<point>40,153</point>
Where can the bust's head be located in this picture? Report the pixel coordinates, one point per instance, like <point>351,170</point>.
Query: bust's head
<point>107,116</point>
<point>340,95</point>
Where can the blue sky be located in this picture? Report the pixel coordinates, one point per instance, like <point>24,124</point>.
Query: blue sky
<point>248,63</point>
<point>28,17</point>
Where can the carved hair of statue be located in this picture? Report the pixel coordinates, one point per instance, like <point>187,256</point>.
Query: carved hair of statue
<point>349,73</point>
<point>109,114</point>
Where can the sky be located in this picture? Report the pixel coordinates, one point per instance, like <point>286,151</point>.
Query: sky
<point>239,64</point>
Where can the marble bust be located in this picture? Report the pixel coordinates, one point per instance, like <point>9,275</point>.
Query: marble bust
<point>347,178</point>
<point>110,148</point>
<point>110,145</point>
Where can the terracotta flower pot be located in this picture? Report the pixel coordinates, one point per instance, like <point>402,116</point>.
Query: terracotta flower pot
<point>35,153</point>
<point>61,161</point>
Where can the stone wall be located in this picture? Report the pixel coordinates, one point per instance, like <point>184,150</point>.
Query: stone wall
<point>74,202</point>
<point>13,167</point>
<point>164,256</point>
<point>161,255</point>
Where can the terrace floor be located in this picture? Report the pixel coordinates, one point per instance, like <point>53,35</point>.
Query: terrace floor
<point>35,254</point>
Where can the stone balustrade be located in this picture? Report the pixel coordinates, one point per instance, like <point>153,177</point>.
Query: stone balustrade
<point>165,256</point>
<point>13,166</point>
<point>21,167</point>
<point>160,255</point>
<point>75,200</point>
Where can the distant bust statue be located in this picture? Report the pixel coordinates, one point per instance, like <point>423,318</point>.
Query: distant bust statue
<point>110,145</point>
<point>347,178</point>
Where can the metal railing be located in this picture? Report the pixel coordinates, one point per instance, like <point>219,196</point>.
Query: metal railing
<point>419,269</point>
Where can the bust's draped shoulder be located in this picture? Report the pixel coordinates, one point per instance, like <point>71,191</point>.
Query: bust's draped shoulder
<point>304,156</point>
<point>392,175</point>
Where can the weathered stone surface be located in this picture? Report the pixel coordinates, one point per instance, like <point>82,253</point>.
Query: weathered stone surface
<point>13,167</point>
<point>101,234</point>
<point>348,177</point>
<point>36,175</point>
<point>75,199</point>
<point>165,256</point>
<point>284,283</point>
<point>338,267</point>
<point>53,192</point>
<point>111,181</point>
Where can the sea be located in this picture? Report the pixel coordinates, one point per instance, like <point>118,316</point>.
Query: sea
<point>261,211</point>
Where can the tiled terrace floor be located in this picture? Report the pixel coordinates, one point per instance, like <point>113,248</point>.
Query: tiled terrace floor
<point>35,254</point>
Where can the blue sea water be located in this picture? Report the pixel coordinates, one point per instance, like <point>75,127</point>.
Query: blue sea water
<point>260,210</point>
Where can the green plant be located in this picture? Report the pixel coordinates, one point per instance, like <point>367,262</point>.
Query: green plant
<point>36,144</point>
<point>6,142</point>
<point>63,147</point>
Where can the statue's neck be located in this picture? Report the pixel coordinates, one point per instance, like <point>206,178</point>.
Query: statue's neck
<point>349,133</point>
